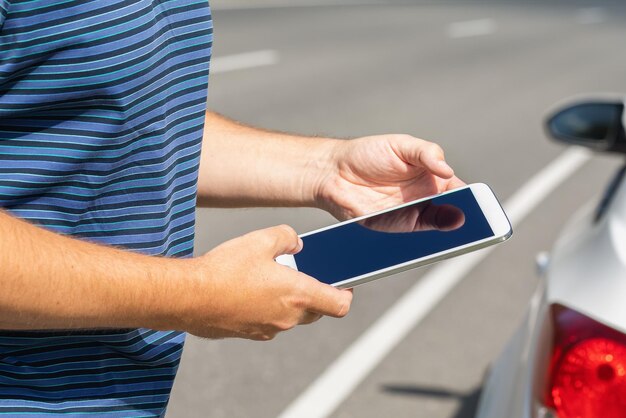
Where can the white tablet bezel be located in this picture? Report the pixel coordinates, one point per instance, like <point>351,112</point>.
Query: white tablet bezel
<point>494,214</point>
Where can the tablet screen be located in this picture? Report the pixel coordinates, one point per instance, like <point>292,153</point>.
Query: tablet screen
<point>395,237</point>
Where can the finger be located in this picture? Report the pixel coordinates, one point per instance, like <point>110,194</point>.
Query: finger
<point>328,301</point>
<point>278,240</point>
<point>455,183</point>
<point>431,156</point>
<point>419,152</point>
<point>309,318</point>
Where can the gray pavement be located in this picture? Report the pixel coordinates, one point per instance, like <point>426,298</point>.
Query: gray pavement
<point>351,71</point>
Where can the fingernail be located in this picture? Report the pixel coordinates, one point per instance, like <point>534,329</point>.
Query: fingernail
<point>300,243</point>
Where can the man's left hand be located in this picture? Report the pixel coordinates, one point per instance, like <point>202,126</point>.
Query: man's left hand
<point>377,172</point>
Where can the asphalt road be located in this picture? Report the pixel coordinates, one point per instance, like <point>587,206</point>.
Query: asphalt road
<point>348,71</point>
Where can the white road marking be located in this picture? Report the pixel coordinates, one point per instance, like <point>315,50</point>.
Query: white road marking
<point>243,61</point>
<point>591,15</point>
<point>340,379</point>
<point>478,27</point>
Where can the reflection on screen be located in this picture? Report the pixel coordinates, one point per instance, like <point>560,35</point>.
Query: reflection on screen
<point>393,238</point>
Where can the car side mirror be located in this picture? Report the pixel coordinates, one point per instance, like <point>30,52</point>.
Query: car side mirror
<point>596,124</point>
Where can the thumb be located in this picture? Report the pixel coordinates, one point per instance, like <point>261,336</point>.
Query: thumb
<point>278,240</point>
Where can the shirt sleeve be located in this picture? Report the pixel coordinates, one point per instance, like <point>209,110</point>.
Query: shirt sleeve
<point>4,11</point>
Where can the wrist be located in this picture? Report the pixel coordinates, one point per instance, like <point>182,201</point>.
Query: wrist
<point>321,169</point>
<point>171,285</point>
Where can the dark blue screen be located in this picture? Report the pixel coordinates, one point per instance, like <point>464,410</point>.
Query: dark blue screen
<point>393,238</point>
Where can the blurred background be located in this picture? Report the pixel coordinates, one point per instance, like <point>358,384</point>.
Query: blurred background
<point>475,76</point>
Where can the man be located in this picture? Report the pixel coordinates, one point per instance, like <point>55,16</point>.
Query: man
<point>105,149</point>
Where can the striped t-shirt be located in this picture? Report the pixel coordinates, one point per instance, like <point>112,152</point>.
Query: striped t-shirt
<point>101,111</point>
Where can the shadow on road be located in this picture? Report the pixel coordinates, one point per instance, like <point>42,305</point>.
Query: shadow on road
<point>468,401</point>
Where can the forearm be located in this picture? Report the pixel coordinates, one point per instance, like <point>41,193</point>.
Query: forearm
<point>244,166</point>
<point>50,281</point>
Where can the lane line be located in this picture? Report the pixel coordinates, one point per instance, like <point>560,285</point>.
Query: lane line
<point>591,15</point>
<point>244,61</point>
<point>342,377</point>
<point>469,28</point>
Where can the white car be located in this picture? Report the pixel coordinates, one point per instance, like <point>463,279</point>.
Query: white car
<point>568,358</point>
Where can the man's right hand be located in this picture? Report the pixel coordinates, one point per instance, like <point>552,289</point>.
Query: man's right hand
<point>241,291</point>
<point>50,281</point>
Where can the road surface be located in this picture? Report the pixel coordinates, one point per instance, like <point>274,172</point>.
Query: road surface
<point>475,77</point>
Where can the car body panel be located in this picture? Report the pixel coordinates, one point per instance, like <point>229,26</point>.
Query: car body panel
<point>586,273</point>
<point>588,268</point>
<point>506,388</point>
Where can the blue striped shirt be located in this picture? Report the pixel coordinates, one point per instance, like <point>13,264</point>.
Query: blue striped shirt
<point>102,104</point>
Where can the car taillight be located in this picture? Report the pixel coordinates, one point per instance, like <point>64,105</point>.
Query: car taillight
<point>588,368</point>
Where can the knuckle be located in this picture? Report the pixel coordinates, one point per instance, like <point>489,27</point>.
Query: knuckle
<point>436,148</point>
<point>404,137</point>
<point>301,298</point>
<point>299,302</point>
<point>286,228</point>
<point>287,231</point>
<point>280,234</point>
<point>304,296</point>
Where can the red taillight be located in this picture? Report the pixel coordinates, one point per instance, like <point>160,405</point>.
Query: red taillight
<point>588,368</point>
